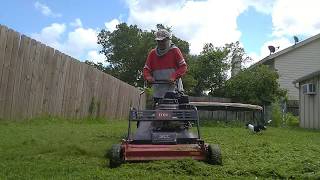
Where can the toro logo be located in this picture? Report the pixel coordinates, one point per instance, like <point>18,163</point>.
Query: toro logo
<point>162,115</point>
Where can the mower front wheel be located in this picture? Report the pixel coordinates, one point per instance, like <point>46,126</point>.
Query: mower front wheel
<point>214,155</point>
<point>116,156</point>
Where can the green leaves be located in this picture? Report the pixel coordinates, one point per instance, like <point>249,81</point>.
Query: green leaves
<point>126,49</point>
<point>210,69</point>
<point>257,86</point>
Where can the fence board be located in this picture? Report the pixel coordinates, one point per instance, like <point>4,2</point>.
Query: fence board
<point>34,64</point>
<point>79,90</point>
<point>20,88</point>
<point>3,39</point>
<point>12,72</point>
<point>53,95</point>
<point>108,88</point>
<point>5,70</point>
<point>67,88</point>
<point>28,78</point>
<point>83,99</point>
<point>40,81</point>
<point>98,93</point>
<point>120,99</point>
<point>104,96</point>
<point>74,90</point>
<point>61,74</point>
<point>93,93</point>
<point>17,77</point>
<point>114,88</point>
<point>125,103</point>
<point>71,92</point>
<point>51,64</point>
<point>87,98</point>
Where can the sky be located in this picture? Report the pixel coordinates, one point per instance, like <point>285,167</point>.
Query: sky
<point>72,26</point>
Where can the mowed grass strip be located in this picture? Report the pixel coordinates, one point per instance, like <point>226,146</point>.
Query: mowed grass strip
<point>50,148</point>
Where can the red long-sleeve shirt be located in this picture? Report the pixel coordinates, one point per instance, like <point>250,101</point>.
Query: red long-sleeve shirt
<point>172,59</point>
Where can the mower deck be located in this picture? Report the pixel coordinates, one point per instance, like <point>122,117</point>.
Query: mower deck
<point>145,152</point>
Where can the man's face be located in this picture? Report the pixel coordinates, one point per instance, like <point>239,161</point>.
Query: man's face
<point>162,44</point>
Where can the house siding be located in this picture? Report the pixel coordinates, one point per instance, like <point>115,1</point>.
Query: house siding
<point>297,63</point>
<point>309,105</point>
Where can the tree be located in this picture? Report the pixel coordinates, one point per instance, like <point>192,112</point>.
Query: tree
<point>210,70</point>
<point>256,86</point>
<point>126,49</point>
<point>189,81</point>
<point>236,52</point>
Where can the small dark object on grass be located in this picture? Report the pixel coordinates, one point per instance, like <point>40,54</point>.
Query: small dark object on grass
<point>257,128</point>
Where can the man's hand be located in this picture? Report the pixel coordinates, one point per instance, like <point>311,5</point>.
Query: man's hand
<point>150,79</point>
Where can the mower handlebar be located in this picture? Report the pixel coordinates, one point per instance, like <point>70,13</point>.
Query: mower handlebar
<point>162,82</point>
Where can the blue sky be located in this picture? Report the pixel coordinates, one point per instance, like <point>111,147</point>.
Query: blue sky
<point>71,26</point>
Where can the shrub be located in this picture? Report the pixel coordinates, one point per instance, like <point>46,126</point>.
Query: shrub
<point>291,120</point>
<point>276,114</point>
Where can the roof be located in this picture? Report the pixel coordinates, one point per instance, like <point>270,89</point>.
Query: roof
<point>308,76</point>
<point>288,49</point>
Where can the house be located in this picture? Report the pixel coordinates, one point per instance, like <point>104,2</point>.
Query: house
<point>309,100</point>
<point>294,62</point>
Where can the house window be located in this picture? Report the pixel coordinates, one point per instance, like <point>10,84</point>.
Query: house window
<point>309,88</point>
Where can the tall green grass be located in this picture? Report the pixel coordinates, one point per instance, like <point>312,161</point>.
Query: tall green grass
<point>50,148</point>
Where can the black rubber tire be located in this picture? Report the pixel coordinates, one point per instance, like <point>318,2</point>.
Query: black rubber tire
<point>214,155</point>
<point>116,156</point>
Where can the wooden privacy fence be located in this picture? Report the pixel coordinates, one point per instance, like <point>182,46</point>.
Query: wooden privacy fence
<point>223,115</point>
<point>37,80</point>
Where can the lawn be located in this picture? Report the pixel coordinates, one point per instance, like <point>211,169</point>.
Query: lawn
<point>52,148</point>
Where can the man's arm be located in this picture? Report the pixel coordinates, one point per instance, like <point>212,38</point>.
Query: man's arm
<point>181,64</point>
<point>147,70</point>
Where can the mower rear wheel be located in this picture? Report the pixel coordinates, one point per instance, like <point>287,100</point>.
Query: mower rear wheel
<point>116,156</point>
<point>214,155</point>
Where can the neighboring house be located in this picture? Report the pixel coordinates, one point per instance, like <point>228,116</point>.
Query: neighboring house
<point>293,62</point>
<point>309,100</point>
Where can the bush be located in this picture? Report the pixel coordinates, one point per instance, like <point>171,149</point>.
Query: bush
<point>284,119</point>
<point>276,114</point>
<point>291,120</point>
<point>255,86</point>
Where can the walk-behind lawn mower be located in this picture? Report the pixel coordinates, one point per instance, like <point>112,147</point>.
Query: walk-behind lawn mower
<point>165,133</point>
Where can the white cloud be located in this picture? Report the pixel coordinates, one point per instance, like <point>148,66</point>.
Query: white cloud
<point>80,42</point>
<point>263,6</point>
<point>96,57</point>
<point>197,22</point>
<point>76,23</point>
<point>296,17</point>
<point>45,10</point>
<point>111,25</point>
<point>51,35</point>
